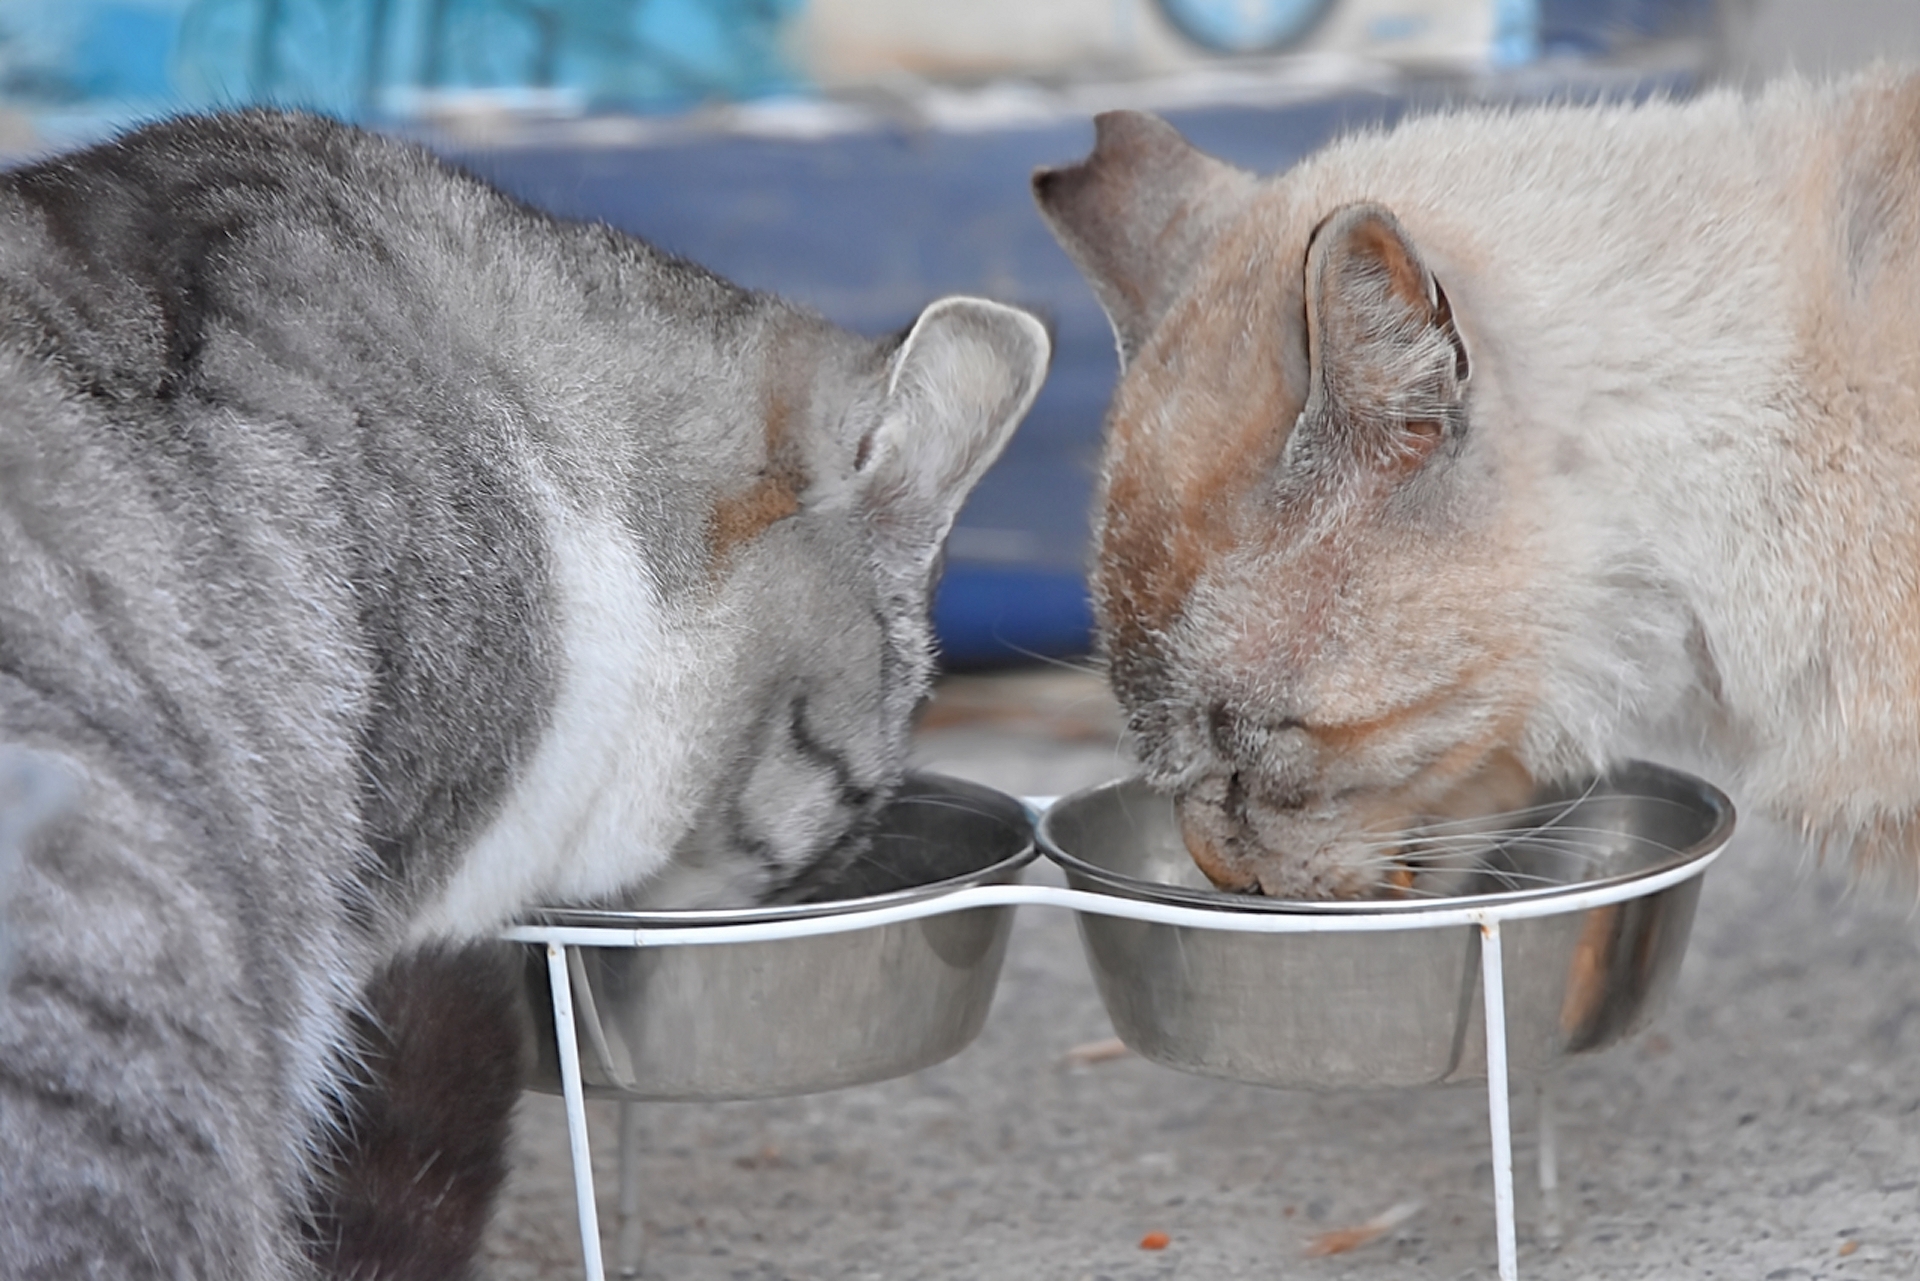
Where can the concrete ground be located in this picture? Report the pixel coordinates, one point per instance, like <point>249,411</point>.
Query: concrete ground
<point>1766,1127</point>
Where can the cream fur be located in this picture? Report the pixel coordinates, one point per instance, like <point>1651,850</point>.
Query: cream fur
<point>1680,510</point>
<point>1659,294</point>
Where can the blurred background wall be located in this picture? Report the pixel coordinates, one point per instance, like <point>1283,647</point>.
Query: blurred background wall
<point>866,156</point>
<point>70,67</point>
<point>1764,38</point>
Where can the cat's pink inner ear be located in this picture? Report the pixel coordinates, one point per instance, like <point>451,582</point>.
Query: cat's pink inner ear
<point>1361,260</point>
<point>1373,238</point>
<point>1135,215</point>
<point>1388,366</point>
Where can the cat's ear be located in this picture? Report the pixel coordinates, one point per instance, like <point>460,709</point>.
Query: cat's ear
<point>1135,215</point>
<point>1388,367</point>
<point>956,388</point>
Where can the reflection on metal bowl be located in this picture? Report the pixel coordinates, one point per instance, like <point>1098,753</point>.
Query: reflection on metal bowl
<point>1403,1007</point>
<point>791,1016</point>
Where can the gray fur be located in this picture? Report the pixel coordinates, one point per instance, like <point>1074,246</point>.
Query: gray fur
<point>305,443</point>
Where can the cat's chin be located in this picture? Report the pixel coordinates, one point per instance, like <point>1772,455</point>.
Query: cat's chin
<point>1337,871</point>
<point>1235,864</point>
<point>1352,890</point>
<point>1209,854</point>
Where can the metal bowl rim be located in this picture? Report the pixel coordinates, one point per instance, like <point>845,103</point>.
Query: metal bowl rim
<point>1015,812</point>
<point>1716,836</point>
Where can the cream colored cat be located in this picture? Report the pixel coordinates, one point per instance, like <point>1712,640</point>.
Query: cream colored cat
<point>1504,443</point>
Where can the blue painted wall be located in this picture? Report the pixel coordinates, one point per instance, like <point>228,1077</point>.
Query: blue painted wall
<point>364,57</point>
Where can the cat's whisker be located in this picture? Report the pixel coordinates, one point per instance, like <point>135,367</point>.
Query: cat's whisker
<point>1508,818</point>
<point>1567,856</point>
<point>1529,817</point>
<point>938,802</point>
<point>1515,819</point>
<point>1512,835</point>
<point>1556,854</point>
<point>1567,808</point>
<point>1417,891</point>
<point>1523,878</point>
<point>1085,666</point>
<point>1451,849</point>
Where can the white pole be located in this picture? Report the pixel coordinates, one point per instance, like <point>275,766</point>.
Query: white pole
<point>563,1034</point>
<point>1549,1166</point>
<point>630,1244</point>
<point>1499,1123</point>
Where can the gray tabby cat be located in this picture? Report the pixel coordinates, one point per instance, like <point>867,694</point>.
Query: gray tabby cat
<point>380,558</point>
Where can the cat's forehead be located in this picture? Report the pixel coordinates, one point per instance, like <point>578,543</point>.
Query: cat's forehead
<point>795,422</point>
<point>1201,416</point>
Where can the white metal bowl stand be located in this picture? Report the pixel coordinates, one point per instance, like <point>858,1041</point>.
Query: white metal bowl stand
<point>557,939</point>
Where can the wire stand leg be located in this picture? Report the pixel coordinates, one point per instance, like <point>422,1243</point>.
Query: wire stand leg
<point>569,1044</point>
<point>1550,1228</point>
<point>1499,1121</point>
<point>630,1243</point>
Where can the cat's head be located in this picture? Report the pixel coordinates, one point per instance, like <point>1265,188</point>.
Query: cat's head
<point>827,545</point>
<point>1313,601</point>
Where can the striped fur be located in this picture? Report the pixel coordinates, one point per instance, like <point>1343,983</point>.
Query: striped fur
<point>381,558</point>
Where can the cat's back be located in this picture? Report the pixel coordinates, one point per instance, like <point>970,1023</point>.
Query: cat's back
<point>117,256</point>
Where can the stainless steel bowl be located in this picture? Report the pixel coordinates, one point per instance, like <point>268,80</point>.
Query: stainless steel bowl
<point>1346,1009</point>
<point>791,1016</point>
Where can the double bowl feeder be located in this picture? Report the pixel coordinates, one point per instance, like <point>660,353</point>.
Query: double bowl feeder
<point>1568,939</point>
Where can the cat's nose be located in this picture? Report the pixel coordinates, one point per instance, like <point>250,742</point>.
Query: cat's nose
<point>1220,732</point>
<point>1243,739</point>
